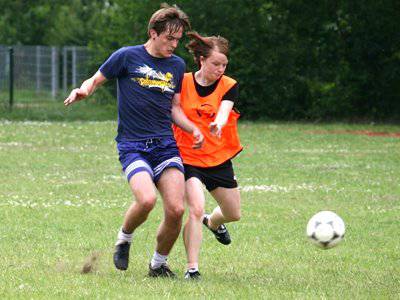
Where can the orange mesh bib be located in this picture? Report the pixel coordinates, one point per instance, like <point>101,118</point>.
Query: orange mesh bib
<point>202,111</point>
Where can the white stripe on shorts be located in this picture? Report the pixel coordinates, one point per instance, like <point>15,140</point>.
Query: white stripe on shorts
<point>161,167</point>
<point>137,164</point>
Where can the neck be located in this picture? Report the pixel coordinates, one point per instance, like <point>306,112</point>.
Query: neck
<point>202,79</point>
<point>149,46</point>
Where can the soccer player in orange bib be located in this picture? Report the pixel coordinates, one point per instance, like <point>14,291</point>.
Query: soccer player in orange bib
<point>207,98</point>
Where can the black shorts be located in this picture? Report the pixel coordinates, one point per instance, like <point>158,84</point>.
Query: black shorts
<point>213,177</point>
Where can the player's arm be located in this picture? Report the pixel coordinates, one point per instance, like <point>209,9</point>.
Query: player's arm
<point>87,88</point>
<point>180,119</point>
<point>221,118</point>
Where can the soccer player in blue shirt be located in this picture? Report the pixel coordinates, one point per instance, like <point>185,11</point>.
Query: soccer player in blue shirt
<point>149,81</point>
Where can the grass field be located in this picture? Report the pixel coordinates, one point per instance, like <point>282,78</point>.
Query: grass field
<point>40,107</point>
<point>62,199</point>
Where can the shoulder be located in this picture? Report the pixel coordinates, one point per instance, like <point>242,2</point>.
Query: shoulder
<point>177,58</point>
<point>121,50</point>
<point>187,75</point>
<point>119,54</point>
<point>129,50</point>
<point>228,80</point>
<point>178,61</point>
<point>187,78</point>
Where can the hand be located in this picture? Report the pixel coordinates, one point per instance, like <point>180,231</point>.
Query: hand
<point>198,138</point>
<point>215,129</point>
<point>75,95</point>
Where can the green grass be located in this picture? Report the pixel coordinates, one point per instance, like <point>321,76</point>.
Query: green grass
<point>41,107</point>
<point>62,199</point>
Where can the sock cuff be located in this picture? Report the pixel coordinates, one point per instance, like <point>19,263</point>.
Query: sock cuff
<point>158,260</point>
<point>192,270</point>
<point>124,237</point>
<point>160,256</point>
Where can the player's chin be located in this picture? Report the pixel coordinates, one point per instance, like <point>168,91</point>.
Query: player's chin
<point>217,76</point>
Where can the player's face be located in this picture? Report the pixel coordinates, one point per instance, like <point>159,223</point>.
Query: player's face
<point>214,66</point>
<point>166,42</point>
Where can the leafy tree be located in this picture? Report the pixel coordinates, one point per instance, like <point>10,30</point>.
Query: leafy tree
<point>294,59</point>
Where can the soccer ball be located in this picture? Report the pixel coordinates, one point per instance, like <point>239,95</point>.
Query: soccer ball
<point>325,229</point>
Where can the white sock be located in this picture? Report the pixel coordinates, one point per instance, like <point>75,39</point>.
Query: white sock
<point>158,260</point>
<point>123,237</point>
<point>193,269</point>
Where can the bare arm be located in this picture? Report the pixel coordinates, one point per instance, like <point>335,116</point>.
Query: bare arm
<point>221,118</point>
<point>180,119</point>
<point>87,88</point>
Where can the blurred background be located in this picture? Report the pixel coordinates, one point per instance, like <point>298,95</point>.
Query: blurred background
<point>294,59</point>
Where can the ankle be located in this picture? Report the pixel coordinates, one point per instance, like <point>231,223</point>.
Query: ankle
<point>123,237</point>
<point>192,267</point>
<point>211,224</point>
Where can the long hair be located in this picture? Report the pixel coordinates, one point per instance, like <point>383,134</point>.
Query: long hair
<point>203,45</point>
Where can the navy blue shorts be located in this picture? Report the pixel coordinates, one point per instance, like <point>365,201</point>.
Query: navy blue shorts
<point>152,156</point>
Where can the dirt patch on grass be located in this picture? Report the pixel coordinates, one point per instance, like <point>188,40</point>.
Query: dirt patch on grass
<point>359,132</point>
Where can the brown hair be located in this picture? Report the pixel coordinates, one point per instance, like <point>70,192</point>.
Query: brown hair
<point>203,45</point>
<point>170,18</point>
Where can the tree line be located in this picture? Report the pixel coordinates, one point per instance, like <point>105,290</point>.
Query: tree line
<point>294,59</point>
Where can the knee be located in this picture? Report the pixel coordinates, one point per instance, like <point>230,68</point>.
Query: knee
<point>175,214</point>
<point>196,212</point>
<point>147,203</point>
<point>234,217</point>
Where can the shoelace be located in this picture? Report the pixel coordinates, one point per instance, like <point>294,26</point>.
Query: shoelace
<point>221,229</point>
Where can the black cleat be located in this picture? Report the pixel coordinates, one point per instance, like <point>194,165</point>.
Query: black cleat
<point>192,275</point>
<point>121,256</point>
<point>163,271</point>
<point>221,234</point>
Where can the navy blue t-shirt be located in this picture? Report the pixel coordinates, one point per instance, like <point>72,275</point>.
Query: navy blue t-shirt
<point>146,86</point>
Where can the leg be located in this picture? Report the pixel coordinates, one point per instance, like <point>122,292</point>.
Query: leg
<point>144,192</point>
<point>145,195</point>
<point>228,209</point>
<point>171,186</point>
<point>192,233</point>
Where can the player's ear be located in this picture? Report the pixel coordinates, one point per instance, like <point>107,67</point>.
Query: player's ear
<point>201,60</point>
<point>153,34</point>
